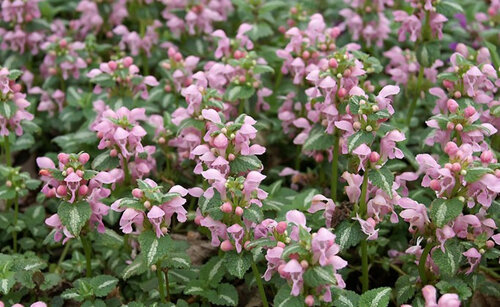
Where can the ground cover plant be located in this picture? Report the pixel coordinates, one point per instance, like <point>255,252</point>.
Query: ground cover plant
<point>249,153</point>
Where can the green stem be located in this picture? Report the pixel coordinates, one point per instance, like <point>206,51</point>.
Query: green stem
<point>335,166</point>
<point>421,263</point>
<point>167,284</point>
<point>413,104</point>
<point>126,172</point>
<point>297,158</point>
<point>241,107</point>
<point>14,233</point>
<point>6,145</point>
<point>489,272</point>
<point>161,283</point>
<point>87,249</point>
<point>63,254</point>
<point>258,280</point>
<point>364,244</point>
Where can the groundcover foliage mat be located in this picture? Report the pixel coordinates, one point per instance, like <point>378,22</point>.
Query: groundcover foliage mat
<point>249,153</point>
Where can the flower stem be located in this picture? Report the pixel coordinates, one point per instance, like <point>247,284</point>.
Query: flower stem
<point>335,166</point>
<point>14,233</point>
<point>6,145</point>
<point>161,283</point>
<point>413,104</point>
<point>421,263</point>
<point>258,280</point>
<point>489,272</point>
<point>63,254</point>
<point>364,244</point>
<point>167,284</point>
<point>87,249</point>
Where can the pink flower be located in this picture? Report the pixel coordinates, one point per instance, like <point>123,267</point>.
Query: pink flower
<point>414,213</point>
<point>237,232</point>
<point>155,216</point>
<point>299,219</point>
<point>321,244</point>
<point>446,300</point>
<point>131,217</point>
<point>320,202</point>
<point>295,270</point>
<point>273,257</point>
<point>368,227</point>
<point>217,229</point>
<point>55,222</point>
<point>474,258</point>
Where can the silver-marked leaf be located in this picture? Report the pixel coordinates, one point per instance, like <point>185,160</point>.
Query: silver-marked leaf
<point>237,264</point>
<point>378,297</point>
<point>74,216</point>
<point>152,247</point>
<point>382,178</point>
<point>445,210</point>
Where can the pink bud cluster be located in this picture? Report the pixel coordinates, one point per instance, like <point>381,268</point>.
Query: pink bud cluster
<point>10,93</point>
<point>71,182</point>
<point>125,76</point>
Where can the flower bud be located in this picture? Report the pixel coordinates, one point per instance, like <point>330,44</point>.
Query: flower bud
<point>237,54</point>
<point>304,264</point>
<point>128,61</point>
<point>309,301</point>
<point>318,157</point>
<point>457,95</point>
<point>333,63</point>
<point>69,170</point>
<point>197,220</point>
<point>452,105</point>
<point>51,193</point>
<point>226,245</point>
<point>178,57</point>
<point>44,172</point>
<point>238,211</point>
<point>62,190</point>
<point>231,157</point>
<point>463,172</point>
<point>137,193</point>
<point>80,173</point>
<point>220,141</point>
<point>369,128</point>
<point>450,126</point>
<point>335,32</point>
<point>63,43</point>
<point>83,190</point>
<point>281,227</point>
<point>459,127</point>
<point>456,167</point>
<point>375,108</point>
<point>342,92</point>
<point>113,153</point>
<point>490,244</point>
<point>306,55</point>
<point>8,183</point>
<point>153,267</point>
<point>486,156</point>
<point>448,84</point>
<point>435,185</point>
<point>112,65</point>
<point>63,158</point>
<point>469,111</point>
<point>164,230</point>
<point>245,245</point>
<point>147,204</point>
<point>226,207</point>
<point>356,125</point>
<point>374,157</point>
<point>280,244</point>
<point>451,148</point>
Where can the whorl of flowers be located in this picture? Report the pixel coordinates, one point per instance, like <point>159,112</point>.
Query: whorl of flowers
<point>121,78</point>
<point>121,133</point>
<point>366,19</point>
<point>62,58</point>
<point>151,205</point>
<point>14,103</point>
<point>72,183</point>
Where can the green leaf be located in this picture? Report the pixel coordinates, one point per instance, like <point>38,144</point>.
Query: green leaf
<point>493,53</point>
<point>190,122</point>
<point>138,266</point>
<point>104,161</point>
<point>152,247</point>
<point>345,298</point>
<point>284,299</point>
<point>382,178</point>
<point>262,69</point>
<point>449,261</point>
<point>455,285</point>
<point>5,110</point>
<point>490,288</point>
<point>292,249</point>
<point>476,173</point>
<point>244,164</point>
<point>103,284</point>
<point>358,138</point>
<point>445,210</point>
<point>237,264</point>
<point>132,203</point>
<point>270,6</point>
<point>448,8</point>
<point>253,213</point>
<point>378,297</point>
<point>213,271</point>
<point>74,216</point>
<point>103,80</point>
<point>226,295</point>
<point>239,92</point>
<point>7,193</point>
<point>7,282</point>
<point>318,140</point>
<point>405,288</point>
<point>14,74</point>
<point>325,275</point>
<point>348,234</point>
<point>23,142</point>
